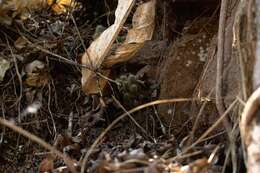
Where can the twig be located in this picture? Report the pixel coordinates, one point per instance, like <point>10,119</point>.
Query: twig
<point>36,139</point>
<point>159,119</point>
<point>172,117</point>
<point>248,115</point>
<point>223,116</point>
<point>130,116</point>
<point>198,117</point>
<point>20,81</point>
<point>72,62</point>
<point>226,160</point>
<point>82,41</point>
<point>49,109</point>
<point>101,136</point>
<point>70,124</point>
<point>3,132</point>
<point>220,58</point>
<point>109,12</point>
<point>188,155</point>
<point>237,42</point>
<point>65,60</point>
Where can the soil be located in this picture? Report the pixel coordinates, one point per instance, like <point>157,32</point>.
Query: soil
<point>179,62</point>
<point>183,67</point>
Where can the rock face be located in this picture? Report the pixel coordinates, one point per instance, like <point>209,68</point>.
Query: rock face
<point>190,72</point>
<point>182,69</point>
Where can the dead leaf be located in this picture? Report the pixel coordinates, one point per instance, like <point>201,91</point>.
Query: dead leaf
<point>36,74</point>
<point>143,27</point>
<point>34,66</point>
<point>95,83</point>
<point>123,53</point>
<point>37,79</point>
<point>4,66</point>
<point>61,6</point>
<point>9,9</point>
<point>198,166</point>
<point>99,48</point>
<point>20,43</point>
<point>46,164</point>
<point>99,29</point>
<point>152,168</point>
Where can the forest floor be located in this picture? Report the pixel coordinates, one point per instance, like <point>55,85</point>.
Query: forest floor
<point>176,128</point>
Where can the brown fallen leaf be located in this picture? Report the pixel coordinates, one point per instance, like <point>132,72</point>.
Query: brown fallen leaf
<point>4,66</point>
<point>47,164</point>
<point>36,74</point>
<point>95,83</point>
<point>20,43</point>
<point>10,9</point>
<point>61,6</point>
<point>97,53</point>
<point>143,27</point>
<point>37,79</point>
<point>99,48</point>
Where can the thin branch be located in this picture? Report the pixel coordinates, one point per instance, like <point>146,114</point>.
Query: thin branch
<point>101,136</point>
<point>132,118</point>
<point>38,140</point>
<point>20,81</point>
<point>220,58</point>
<point>205,134</point>
<point>248,115</point>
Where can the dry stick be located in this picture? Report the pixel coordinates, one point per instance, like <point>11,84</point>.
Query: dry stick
<point>130,116</point>
<point>213,154</point>
<point>236,40</point>
<point>160,121</point>
<point>82,41</point>
<point>248,115</point>
<point>219,79</point>
<point>72,62</point>
<point>20,81</point>
<point>3,130</point>
<point>36,139</point>
<point>248,125</point>
<point>213,136</point>
<point>220,57</point>
<point>202,77</point>
<point>65,60</point>
<point>100,137</point>
<point>189,155</point>
<point>226,160</point>
<point>199,116</point>
<point>222,118</point>
<point>49,109</point>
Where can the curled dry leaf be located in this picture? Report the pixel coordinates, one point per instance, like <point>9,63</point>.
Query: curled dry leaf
<point>10,9</point>
<point>198,166</point>
<point>61,6</point>
<point>20,43</point>
<point>143,27</point>
<point>4,66</point>
<point>250,130</point>
<point>248,115</point>
<point>97,53</point>
<point>47,164</point>
<point>99,48</point>
<point>34,66</point>
<point>36,74</point>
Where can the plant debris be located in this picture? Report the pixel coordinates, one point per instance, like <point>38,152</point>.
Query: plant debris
<point>128,86</point>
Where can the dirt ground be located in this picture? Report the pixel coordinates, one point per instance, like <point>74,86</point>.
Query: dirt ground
<point>41,92</point>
